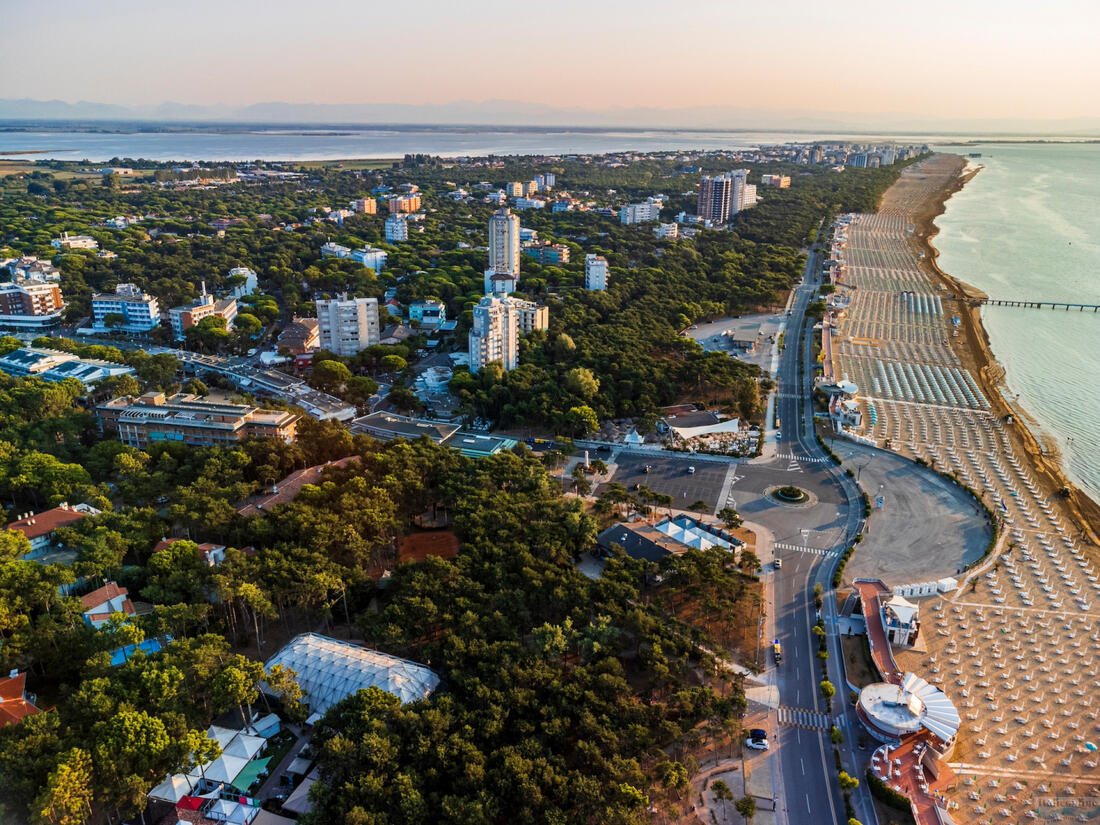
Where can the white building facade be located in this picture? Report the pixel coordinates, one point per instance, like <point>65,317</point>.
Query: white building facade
<point>595,272</point>
<point>140,312</point>
<point>504,244</point>
<point>397,229</point>
<point>347,326</point>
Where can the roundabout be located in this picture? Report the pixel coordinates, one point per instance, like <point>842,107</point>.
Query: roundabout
<point>789,495</point>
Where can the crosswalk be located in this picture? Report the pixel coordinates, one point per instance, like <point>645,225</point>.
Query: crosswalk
<point>802,458</point>
<point>799,718</point>
<point>817,551</point>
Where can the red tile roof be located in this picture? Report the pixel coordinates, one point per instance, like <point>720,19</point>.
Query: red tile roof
<point>13,704</point>
<point>109,591</point>
<point>42,524</point>
<point>290,486</point>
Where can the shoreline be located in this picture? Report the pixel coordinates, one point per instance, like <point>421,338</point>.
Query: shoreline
<point>1046,462</point>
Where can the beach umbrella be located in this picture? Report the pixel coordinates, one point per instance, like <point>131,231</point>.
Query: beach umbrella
<point>1090,746</point>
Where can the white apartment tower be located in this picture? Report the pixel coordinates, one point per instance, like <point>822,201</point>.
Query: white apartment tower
<point>397,228</point>
<point>346,326</point>
<point>595,272</point>
<point>504,243</point>
<point>495,333</point>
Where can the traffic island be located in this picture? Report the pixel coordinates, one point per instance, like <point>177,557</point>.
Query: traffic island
<point>790,495</point>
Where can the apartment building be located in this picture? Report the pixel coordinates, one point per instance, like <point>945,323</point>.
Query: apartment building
<point>30,305</point>
<point>549,253</point>
<point>182,318</point>
<point>67,241</point>
<point>397,229</point>
<point>367,206</point>
<point>498,323</point>
<point>404,203</point>
<point>346,326</point>
<point>132,309</point>
<point>154,417</point>
<point>640,212</point>
<point>370,257</point>
<point>595,272</point>
<point>504,242</point>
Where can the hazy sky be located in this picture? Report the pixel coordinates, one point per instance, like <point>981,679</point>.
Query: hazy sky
<point>946,58</point>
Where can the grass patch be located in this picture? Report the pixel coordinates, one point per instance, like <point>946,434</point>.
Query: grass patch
<point>858,664</point>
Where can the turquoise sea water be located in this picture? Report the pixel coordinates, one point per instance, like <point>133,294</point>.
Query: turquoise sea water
<point>1027,226</point>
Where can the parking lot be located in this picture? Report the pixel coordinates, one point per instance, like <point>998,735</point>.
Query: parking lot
<point>669,475</point>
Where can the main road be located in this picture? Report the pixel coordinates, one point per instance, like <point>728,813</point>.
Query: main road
<point>807,787</point>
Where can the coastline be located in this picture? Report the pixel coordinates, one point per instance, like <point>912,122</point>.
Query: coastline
<point>1046,462</point>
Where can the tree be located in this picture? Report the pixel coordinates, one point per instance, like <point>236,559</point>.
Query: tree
<point>329,376</point>
<point>581,420</point>
<point>196,387</point>
<point>393,363</point>
<point>730,517</point>
<point>847,783</point>
<point>359,389</point>
<point>247,324</point>
<point>722,793</point>
<point>746,806</point>
<point>114,320</point>
<point>827,689</point>
<point>582,383</point>
<point>67,797</point>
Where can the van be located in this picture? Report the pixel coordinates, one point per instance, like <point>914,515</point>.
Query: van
<point>777,651</point>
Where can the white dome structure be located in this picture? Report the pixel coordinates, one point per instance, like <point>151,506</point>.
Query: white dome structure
<point>893,711</point>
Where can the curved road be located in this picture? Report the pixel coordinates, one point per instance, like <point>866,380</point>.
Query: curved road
<point>808,789</point>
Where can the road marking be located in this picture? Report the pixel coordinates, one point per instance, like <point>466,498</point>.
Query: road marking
<point>808,719</point>
<point>815,550</point>
<point>792,457</point>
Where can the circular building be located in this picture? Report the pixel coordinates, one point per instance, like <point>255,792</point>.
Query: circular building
<point>891,712</point>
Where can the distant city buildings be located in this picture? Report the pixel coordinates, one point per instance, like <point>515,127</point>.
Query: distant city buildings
<point>367,206</point>
<point>182,318</point>
<point>397,228</point>
<point>778,181</point>
<point>188,419</point>
<point>127,309</point>
<point>346,326</point>
<point>595,272</point>
<point>498,323</point>
<point>515,189</point>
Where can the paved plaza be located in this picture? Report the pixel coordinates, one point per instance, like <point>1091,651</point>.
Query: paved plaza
<point>720,336</point>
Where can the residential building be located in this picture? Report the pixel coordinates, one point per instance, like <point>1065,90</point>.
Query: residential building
<point>182,318</point>
<point>334,250</point>
<point>302,335</point>
<point>504,242</point>
<point>721,196</point>
<point>397,228</point>
<point>528,236</point>
<point>67,241</point>
<point>530,316</point>
<point>500,283</point>
<point>430,313</point>
<point>549,253</point>
<point>404,203</point>
<point>778,181</point>
<point>101,604</point>
<point>495,334</point>
<point>748,197</point>
<point>515,189</point>
<point>132,310</point>
<point>30,305</point>
<point>667,231</point>
<point>251,281</point>
<point>545,182</point>
<point>16,704</point>
<point>41,528</point>
<point>595,272</point>
<point>30,268</point>
<point>529,203</point>
<point>191,420</point>
<point>368,206</point>
<point>347,325</point>
<point>640,212</point>
<point>370,257</point>
<point>858,159</point>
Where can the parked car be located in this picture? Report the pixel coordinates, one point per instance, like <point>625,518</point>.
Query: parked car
<point>758,739</point>
<point>691,471</point>
<point>779,564</point>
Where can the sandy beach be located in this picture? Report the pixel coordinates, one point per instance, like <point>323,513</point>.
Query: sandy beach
<point>974,350</point>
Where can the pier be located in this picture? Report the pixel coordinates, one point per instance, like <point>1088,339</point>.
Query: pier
<point>998,302</point>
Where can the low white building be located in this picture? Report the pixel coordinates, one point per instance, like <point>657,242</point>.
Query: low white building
<point>67,241</point>
<point>370,257</point>
<point>667,231</point>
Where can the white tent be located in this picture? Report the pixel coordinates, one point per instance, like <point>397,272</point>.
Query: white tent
<point>730,425</point>
<point>224,810</point>
<point>173,789</point>
<point>223,736</point>
<point>904,609</point>
<point>330,670</point>
<point>244,745</point>
<point>223,769</point>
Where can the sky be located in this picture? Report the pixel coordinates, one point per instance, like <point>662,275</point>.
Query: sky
<point>940,58</point>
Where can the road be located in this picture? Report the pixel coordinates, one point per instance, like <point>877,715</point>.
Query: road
<point>806,782</point>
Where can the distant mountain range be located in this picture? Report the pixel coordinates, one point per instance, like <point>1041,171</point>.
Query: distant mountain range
<point>517,113</point>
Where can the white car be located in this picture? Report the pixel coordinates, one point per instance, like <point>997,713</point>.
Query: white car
<point>757,744</point>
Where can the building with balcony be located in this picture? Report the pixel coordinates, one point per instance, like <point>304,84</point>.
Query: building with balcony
<point>127,309</point>
<point>188,419</point>
<point>30,305</point>
<point>346,326</point>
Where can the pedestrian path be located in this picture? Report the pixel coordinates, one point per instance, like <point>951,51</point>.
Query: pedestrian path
<point>799,718</point>
<point>802,458</point>
<point>801,549</point>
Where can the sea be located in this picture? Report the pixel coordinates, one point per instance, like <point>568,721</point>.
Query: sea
<point>332,143</point>
<point>1027,227</point>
